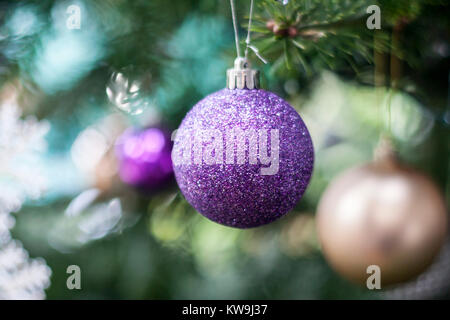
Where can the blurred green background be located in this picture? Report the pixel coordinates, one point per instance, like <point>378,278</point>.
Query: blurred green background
<point>60,196</point>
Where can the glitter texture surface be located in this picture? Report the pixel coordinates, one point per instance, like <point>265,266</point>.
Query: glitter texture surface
<point>237,194</point>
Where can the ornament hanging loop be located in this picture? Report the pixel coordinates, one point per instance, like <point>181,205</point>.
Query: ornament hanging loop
<point>384,154</point>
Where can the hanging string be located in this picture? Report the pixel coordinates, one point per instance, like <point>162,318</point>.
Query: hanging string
<point>247,41</point>
<point>389,103</point>
<point>236,34</point>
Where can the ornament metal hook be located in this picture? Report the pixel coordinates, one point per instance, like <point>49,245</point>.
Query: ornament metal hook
<point>242,76</point>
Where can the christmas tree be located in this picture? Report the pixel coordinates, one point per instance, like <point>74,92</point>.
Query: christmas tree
<point>89,88</point>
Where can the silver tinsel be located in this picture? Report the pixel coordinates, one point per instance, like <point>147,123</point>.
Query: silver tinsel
<point>432,284</point>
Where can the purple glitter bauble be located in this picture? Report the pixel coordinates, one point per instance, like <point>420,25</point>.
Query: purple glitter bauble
<point>145,158</point>
<point>243,158</point>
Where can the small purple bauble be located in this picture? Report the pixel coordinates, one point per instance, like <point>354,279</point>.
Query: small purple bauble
<point>243,158</point>
<point>145,158</point>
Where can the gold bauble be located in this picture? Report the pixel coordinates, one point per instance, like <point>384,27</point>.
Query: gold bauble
<point>384,214</point>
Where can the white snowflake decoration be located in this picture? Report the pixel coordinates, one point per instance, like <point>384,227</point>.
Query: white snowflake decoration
<point>20,139</point>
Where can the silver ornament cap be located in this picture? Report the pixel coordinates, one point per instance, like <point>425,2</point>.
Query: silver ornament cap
<point>242,76</point>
